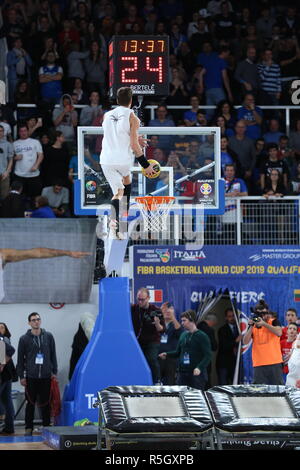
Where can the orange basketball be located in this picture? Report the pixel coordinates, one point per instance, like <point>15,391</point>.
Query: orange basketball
<point>156,169</point>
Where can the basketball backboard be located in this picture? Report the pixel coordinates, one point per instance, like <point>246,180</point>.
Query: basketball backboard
<point>196,182</point>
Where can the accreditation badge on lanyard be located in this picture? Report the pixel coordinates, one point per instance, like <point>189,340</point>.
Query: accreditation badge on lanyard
<point>164,338</point>
<point>186,358</point>
<point>39,358</point>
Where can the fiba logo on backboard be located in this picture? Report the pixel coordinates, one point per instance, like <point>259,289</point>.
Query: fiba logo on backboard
<point>91,185</point>
<point>295,87</point>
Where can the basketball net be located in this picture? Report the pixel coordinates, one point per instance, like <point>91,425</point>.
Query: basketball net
<point>155,211</point>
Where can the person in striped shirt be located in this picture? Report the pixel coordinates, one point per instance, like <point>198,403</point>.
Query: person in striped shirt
<point>270,77</point>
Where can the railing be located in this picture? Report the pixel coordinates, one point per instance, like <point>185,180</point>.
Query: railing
<point>152,109</point>
<point>252,220</point>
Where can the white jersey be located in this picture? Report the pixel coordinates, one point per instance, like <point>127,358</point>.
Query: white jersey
<point>116,149</point>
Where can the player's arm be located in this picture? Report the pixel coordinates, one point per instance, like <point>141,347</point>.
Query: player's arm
<point>135,145</point>
<point>11,255</point>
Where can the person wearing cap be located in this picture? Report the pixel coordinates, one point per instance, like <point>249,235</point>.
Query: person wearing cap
<point>194,353</point>
<point>265,331</point>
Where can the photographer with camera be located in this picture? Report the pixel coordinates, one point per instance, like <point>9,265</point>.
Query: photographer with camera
<point>148,324</point>
<point>265,331</point>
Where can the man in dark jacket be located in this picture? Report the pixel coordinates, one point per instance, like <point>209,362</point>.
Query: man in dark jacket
<point>148,324</point>
<point>36,365</point>
<point>6,372</point>
<point>229,338</point>
<point>206,325</point>
<point>168,342</point>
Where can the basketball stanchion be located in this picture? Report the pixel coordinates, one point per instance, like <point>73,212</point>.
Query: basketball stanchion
<point>155,211</point>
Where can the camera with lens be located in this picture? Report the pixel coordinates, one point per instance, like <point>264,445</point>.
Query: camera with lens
<point>258,312</point>
<point>149,316</point>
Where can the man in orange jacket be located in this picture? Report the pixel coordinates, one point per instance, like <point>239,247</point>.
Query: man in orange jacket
<point>265,332</point>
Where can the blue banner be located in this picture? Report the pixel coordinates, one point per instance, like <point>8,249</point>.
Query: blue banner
<point>248,273</point>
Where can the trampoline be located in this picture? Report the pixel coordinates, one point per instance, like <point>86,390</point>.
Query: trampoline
<point>255,414</point>
<point>163,415</point>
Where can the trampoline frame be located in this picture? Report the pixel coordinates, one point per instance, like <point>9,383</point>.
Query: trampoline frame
<point>204,440</point>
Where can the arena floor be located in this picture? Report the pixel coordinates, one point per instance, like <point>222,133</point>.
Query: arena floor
<point>18,441</point>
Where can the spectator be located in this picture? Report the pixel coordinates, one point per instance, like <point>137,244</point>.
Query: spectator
<point>273,135</point>
<point>23,95</point>
<point>6,376</point>
<point>289,62</point>
<point>252,39</point>
<point>50,78</point>
<point>289,23</point>
<point>191,159</point>
<point>190,116</point>
<point>266,351</point>
<point>14,27</point>
<point>50,45</point>
<point>81,94</point>
<point>234,187</point>
<point>229,157</point>
<point>265,23</point>
<point>194,353</point>
<point>131,19</point>
<point>36,366</point>
<point>13,205</point>
<point>75,63</point>
<point>160,156</point>
<point>149,325</point>
<point>225,23</point>
<point>56,161</point>
<point>290,317</point>
<point>28,157</point>
<point>95,67</point>
<point>176,39</point>
<point>222,124</point>
<point>228,340</point>
<point>18,63</point>
<point>252,116</point>
<point>225,108</point>
<point>295,181</point>
<point>152,145</point>
<point>271,163</point>
<point>200,35</point>
<point>207,326</point>
<point>246,73</point>
<point>215,77</point>
<point>244,148</point>
<point>270,79</point>
<point>295,140</point>
<point>65,118</point>
<point>89,113</point>
<point>207,149</point>
<point>165,141</point>
<point>6,162</point>
<point>68,36</point>
<point>42,211</point>
<point>286,346</point>
<point>178,92</point>
<point>33,124</point>
<point>186,58</point>
<point>58,199</point>
<point>274,186</point>
<point>168,342</point>
<point>174,161</point>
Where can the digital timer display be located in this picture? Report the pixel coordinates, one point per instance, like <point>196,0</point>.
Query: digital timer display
<point>141,62</point>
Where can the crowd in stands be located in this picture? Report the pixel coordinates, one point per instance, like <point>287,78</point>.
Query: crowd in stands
<point>234,55</point>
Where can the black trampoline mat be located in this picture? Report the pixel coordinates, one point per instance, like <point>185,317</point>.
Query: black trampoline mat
<point>262,407</point>
<point>155,406</point>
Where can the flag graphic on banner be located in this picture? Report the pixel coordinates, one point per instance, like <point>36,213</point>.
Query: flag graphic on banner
<point>156,295</point>
<point>296,295</point>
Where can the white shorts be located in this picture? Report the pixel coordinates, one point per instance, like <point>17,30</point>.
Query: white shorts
<point>114,175</point>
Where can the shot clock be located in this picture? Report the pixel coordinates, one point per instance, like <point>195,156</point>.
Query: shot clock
<point>140,62</point>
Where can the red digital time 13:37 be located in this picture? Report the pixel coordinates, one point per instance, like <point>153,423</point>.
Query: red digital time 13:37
<point>141,62</point>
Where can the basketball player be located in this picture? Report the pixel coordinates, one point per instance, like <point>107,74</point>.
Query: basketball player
<point>120,144</point>
<point>8,255</point>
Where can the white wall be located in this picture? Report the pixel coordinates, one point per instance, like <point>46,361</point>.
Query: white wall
<point>62,323</point>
